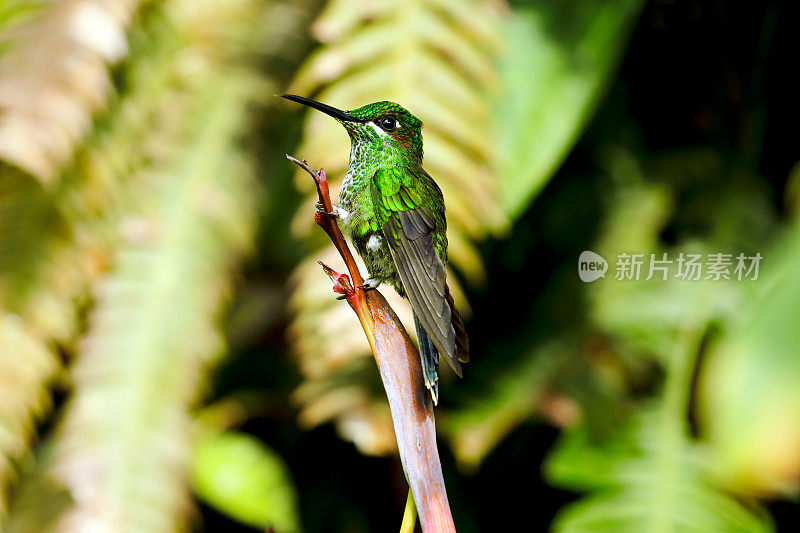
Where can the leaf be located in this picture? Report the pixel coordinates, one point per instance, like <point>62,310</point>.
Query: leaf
<point>579,462</point>
<point>437,59</point>
<point>642,483</point>
<point>26,254</point>
<point>750,404</point>
<point>240,476</point>
<point>12,14</point>
<point>561,57</point>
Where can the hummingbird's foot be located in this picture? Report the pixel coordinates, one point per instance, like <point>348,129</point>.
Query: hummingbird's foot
<point>370,284</point>
<point>337,212</point>
<point>321,209</point>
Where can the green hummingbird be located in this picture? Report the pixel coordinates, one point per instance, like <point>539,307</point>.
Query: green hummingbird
<point>394,212</point>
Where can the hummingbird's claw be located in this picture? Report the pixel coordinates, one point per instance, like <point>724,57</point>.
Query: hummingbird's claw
<point>337,211</point>
<point>321,209</point>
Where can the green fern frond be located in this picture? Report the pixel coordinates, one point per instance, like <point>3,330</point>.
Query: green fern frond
<point>169,163</point>
<point>438,60</point>
<point>55,239</point>
<point>647,479</point>
<point>41,279</point>
<point>154,331</point>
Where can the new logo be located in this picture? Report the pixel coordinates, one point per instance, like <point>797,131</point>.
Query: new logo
<point>591,266</point>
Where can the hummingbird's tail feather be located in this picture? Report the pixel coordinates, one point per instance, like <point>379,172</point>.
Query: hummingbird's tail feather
<point>462,340</point>
<point>430,360</point>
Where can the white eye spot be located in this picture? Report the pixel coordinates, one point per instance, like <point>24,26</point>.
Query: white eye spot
<point>374,243</point>
<point>378,130</point>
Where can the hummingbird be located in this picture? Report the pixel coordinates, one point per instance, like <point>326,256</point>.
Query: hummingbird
<point>394,212</point>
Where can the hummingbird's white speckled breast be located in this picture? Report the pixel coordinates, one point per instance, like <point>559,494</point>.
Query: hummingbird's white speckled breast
<point>354,195</point>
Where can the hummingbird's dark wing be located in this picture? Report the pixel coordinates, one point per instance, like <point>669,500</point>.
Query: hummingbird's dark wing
<point>408,223</point>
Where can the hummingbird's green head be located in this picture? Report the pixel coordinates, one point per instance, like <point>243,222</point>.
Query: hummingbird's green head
<point>384,127</point>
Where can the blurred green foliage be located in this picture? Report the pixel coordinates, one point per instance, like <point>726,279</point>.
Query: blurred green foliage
<point>749,382</point>
<point>171,358</point>
<point>242,477</point>
<point>560,59</point>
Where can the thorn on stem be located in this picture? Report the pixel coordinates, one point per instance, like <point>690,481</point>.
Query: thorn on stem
<point>341,282</point>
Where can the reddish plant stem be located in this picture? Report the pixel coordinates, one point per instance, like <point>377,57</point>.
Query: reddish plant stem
<point>328,221</point>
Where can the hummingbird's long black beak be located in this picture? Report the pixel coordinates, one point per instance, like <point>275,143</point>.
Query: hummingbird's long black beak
<point>325,108</point>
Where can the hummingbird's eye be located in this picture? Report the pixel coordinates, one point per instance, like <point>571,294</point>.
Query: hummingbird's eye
<point>387,123</point>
